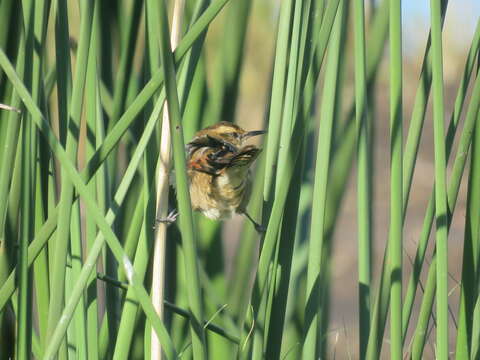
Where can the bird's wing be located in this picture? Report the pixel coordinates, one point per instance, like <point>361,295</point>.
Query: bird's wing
<point>245,157</point>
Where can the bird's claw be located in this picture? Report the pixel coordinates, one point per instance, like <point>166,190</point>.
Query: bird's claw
<point>169,219</point>
<point>260,228</point>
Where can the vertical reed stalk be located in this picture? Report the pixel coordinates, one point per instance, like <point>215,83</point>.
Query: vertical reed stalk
<point>396,176</point>
<point>94,120</point>
<point>469,284</point>
<point>440,182</point>
<point>319,202</point>
<point>183,196</point>
<point>452,128</point>
<point>67,191</point>
<point>363,178</point>
<point>163,172</point>
<point>453,191</point>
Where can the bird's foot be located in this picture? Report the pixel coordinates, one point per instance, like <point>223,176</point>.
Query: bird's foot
<point>258,227</point>
<point>169,219</point>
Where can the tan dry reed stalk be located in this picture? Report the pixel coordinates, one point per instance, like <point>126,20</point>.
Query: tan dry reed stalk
<point>163,171</point>
<point>9,108</point>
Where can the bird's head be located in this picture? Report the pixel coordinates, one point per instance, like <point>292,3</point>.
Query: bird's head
<point>229,133</point>
<point>221,146</point>
<point>224,135</point>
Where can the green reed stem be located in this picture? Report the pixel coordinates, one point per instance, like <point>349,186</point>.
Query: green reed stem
<point>93,114</point>
<point>396,175</point>
<point>440,182</point>
<point>469,284</point>
<point>278,89</point>
<point>363,177</point>
<point>28,155</point>
<point>67,190</point>
<point>319,203</point>
<point>421,330</point>
<point>186,224</point>
<point>452,128</point>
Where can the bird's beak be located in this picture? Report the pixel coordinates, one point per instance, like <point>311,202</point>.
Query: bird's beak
<point>253,133</point>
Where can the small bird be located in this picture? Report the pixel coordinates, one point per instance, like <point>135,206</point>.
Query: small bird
<point>218,167</point>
